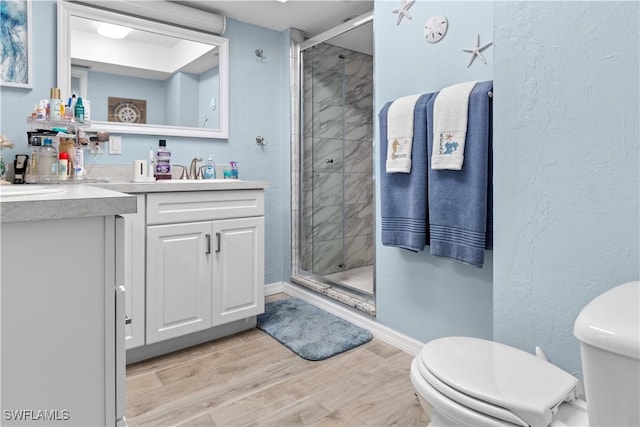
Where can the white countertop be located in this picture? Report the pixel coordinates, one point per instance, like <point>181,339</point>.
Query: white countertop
<point>20,203</point>
<point>182,185</point>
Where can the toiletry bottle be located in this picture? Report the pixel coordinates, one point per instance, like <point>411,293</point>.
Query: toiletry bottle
<point>55,102</point>
<point>87,110</point>
<point>41,111</point>
<point>68,110</point>
<point>234,170</point>
<point>78,162</point>
<point>210,170</point>
<point>3,168</point>
<point>48,161</point>
<point>163,161</point>
<point>32,167</point>
<point>55,113</point>
<point>79,110</point>
<point>63,165</point>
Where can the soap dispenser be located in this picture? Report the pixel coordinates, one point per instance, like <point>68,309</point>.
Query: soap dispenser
<point>210,169</point>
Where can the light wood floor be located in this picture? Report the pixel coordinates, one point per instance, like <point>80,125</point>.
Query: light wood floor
<point>249,379</point>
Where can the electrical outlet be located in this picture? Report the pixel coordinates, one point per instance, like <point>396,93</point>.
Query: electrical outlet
<point>95,147</point>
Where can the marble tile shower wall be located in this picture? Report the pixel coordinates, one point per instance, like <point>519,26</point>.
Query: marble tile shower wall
<point>338,159</point>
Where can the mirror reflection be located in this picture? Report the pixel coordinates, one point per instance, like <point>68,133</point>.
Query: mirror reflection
<point>143,77</point>
<point>136,76</point>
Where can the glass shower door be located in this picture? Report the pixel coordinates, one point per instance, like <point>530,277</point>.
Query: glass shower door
<point>323,243</point>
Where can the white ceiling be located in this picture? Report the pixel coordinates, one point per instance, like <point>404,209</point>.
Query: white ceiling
<point>141,54</point>
<point>310,16</point>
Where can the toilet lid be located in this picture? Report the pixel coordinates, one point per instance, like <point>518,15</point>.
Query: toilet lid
<point>496,379</point>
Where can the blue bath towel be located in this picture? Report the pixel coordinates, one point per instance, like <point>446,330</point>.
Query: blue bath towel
<point>404,196</point>
<point>459,201</point>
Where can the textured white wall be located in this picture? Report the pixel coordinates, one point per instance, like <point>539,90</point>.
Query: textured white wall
<point>566,177</point>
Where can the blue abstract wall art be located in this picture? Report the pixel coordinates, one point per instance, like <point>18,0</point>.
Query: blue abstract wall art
<point>15,39</point>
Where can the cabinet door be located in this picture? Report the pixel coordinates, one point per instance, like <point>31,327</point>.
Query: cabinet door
<point>178,280</point>
<point>134,266</point>
<point>238,283</point>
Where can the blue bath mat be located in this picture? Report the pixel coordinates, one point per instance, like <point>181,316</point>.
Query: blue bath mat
<point>308,331</point>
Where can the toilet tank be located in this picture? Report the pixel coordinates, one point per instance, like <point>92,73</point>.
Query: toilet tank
<point>608,329</point>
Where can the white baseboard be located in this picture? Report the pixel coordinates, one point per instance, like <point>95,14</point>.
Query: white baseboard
<point>384,333</point>
<point>273,288</point>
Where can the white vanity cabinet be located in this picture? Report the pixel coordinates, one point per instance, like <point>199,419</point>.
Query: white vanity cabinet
<point>62,309</point>
<point>205,260</point>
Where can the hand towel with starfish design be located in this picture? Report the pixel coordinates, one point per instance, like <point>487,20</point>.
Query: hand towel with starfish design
<point>450,112</point>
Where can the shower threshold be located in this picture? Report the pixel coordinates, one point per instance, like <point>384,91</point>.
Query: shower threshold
<point>352,298</point>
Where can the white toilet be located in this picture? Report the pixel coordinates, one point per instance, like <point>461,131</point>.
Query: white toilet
<point>463,381</point>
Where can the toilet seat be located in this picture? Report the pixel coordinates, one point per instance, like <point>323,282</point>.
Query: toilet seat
<point>499,381</point>
<point>466,409</point>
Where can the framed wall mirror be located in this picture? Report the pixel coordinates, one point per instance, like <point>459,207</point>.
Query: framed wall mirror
<point>157,79</point>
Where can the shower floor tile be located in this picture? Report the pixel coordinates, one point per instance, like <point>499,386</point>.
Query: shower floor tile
<point>360,278</point>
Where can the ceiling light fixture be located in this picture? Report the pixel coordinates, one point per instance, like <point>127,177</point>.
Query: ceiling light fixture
<point>113,31</point>
<point>166,12</point>
<point>282,1</point>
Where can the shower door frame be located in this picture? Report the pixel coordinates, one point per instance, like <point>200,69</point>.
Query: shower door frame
<point>298,275</point>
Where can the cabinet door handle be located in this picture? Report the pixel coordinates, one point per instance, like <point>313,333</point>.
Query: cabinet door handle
<point>218,237</point>
<point>208,243</point>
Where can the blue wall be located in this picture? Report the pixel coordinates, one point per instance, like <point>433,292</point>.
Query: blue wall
<point>259,106</point>
<point>566,177</point>
<point>209,89</point>
<point>423,296</point>
<point>101,86</point>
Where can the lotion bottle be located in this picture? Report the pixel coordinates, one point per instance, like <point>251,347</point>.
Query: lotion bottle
<point>63,165</point>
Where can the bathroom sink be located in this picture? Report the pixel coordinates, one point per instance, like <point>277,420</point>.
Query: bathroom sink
<point>29,190</point>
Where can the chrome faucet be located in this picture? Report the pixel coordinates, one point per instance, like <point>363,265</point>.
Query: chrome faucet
<point>193,170</point>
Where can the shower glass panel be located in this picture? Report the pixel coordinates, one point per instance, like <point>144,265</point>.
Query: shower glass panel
<point>337,232</point>
<point>323,168</point>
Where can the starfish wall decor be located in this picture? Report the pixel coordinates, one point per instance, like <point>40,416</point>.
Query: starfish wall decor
<point>477,51</point>
<point>403,10</point>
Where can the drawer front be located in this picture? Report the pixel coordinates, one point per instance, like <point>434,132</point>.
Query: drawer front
<point>165,208</point>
